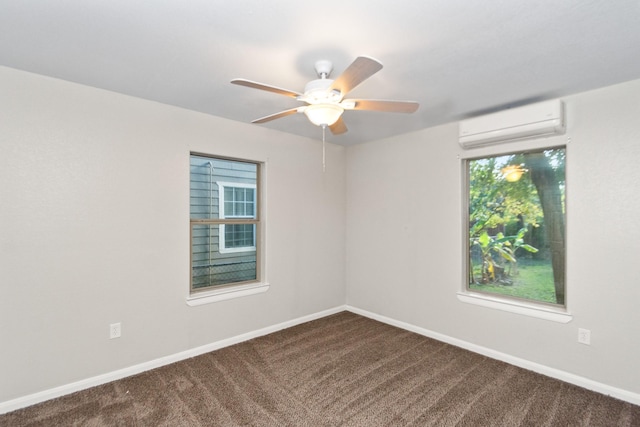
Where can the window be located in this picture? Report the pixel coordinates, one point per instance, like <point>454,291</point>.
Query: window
<point>515,226</point>
<point>225,222</point>
<point>237,201</point>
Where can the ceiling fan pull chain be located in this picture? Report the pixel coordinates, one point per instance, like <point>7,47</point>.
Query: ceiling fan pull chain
<point>324,157</point>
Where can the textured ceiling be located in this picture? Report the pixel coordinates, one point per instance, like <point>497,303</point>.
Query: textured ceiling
<point>457,58</point>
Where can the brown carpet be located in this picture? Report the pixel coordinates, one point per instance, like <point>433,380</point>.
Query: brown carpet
<point>342,370</point>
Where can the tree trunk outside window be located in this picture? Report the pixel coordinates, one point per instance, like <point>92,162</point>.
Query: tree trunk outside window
<point>546,182</point>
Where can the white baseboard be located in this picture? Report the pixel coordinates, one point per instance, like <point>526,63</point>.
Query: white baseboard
<point>567,377</point>
<point>32,399</point>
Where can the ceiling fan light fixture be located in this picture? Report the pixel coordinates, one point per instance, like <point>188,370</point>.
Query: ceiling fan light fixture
<point>323,114</point>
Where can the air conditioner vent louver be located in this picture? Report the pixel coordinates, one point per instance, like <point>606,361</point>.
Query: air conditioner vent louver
<point>531,121</point>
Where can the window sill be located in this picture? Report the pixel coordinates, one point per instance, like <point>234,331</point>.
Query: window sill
<point>226,294</point>
<point>224,250</point>
<point>559,315</point>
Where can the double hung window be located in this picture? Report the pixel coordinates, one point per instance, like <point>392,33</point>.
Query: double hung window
<point>224,221</point>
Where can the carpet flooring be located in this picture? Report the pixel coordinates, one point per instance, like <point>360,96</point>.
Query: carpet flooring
<point>341,370</point>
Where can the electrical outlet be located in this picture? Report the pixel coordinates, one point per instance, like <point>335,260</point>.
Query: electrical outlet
<point>584,336</point>
<point>115,330</point>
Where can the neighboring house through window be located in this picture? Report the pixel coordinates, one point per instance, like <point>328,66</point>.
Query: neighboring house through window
<point>225,222</point>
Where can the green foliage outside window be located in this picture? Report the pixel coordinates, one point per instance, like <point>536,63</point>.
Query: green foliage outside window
<point>517,225</point>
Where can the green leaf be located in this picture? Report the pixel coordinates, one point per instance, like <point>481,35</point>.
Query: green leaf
<point>484,239</point>
<point>508,257</point>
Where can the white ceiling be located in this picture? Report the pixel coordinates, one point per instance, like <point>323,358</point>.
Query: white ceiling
<point>457,58</point>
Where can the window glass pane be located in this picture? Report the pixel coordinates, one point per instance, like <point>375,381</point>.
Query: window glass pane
<point>239,235</point>
<point>240,204</point>
<point>517,225</point>
<point>250,203</point>
<point>205,199</point>
<point>239,201</point>
<point>210,267</point>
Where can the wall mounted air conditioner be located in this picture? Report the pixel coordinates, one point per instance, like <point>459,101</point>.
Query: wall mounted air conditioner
<point>535,120</point>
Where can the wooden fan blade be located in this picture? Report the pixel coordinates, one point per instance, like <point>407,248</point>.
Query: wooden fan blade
<point>381,105</point>
<point>359,70</point>
<point>338,127</point>
<point>268,88</point>
<point>276,115</point>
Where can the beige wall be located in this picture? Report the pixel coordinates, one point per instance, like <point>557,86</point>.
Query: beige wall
<point>94,229</point>
<point>404,236</point>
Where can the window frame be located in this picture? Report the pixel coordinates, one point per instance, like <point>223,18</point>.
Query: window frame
<point>221,292</point>
<point>531,308</point>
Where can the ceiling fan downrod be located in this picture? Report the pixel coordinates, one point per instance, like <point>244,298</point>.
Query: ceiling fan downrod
<point>323,68</point>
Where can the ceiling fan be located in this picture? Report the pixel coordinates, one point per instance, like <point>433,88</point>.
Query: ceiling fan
<point>324,97</point>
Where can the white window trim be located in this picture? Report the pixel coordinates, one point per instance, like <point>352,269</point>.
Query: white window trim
<point>226,293</point>
<point>221,237</point>
<point>534,309</point>
<point>540,311</point>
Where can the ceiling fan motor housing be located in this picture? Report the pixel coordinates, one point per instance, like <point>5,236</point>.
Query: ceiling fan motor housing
<point>317,91</point>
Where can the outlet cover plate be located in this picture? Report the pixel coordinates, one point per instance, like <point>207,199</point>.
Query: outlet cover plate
<point>115,330</point>
<point>584,336</point>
